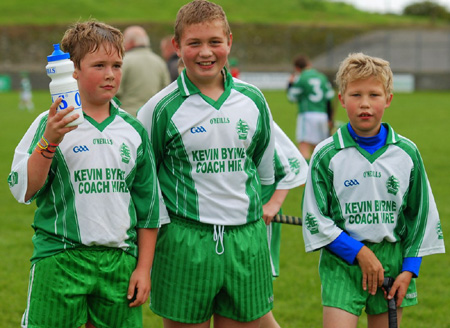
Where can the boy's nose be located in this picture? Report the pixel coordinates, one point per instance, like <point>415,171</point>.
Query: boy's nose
<point>364,102</point>
<point>109,73</point>
<point>205,51</point>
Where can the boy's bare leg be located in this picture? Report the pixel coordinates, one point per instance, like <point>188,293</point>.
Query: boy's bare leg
<point>306,149</point>
<point>337,318</point>
<point>222,322</point>
<point>381,320</point>
<point>268,321</point>
<point>174,324</point>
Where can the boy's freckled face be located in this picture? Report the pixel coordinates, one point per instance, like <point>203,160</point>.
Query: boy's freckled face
<point>204,48</point>
<point>365,101</point>
<point>99,75</point>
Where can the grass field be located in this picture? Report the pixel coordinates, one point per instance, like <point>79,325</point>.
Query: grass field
<point>423,117</point>
<point>254,11</point>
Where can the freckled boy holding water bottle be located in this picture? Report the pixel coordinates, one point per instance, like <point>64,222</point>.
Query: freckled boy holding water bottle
<point>93,243</point>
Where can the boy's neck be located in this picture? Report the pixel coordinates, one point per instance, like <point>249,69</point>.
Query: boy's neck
<point>212,88</point>
<point>99,114</point>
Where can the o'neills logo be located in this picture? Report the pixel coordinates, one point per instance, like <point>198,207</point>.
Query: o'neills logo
<point>102,141</point>
<point>219,120</point>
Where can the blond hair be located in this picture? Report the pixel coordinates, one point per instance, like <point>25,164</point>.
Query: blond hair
<point>86,37</point>
<point>199,11</point>
<point>359,66</point>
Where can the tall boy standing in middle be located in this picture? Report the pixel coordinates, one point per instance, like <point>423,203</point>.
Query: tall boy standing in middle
<point>211,136</point>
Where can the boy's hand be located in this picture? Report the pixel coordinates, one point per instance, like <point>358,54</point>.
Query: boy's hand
<point>56,123</point>
<point>400,287</point>
<point>138,288</point>
<point>270,209</point>
<point>372,270</point>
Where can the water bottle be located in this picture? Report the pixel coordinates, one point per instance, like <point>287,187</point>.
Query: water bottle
<point>60,69</point>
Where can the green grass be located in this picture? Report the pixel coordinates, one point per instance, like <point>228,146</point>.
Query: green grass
<point>251,11</point>
<point>423,117</point>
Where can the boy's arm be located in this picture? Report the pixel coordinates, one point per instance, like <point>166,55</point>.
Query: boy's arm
<point>31,163</point>
<point>423,234</point>
<point>140,284</point>
<point>39,163</point>
<point>290,172</point>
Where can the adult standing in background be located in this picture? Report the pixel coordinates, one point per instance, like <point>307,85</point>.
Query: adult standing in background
<point>313,93</point>
<point>170,56</point>
<point>144,73</point>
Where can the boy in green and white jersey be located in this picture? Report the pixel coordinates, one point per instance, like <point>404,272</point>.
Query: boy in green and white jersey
<point>368,204</point>
<point>290,172</point>
<point>211,136</point>
<point>96,192</point>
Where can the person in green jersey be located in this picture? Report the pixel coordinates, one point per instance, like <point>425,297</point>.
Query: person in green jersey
<point>211,135</point>
<point>290,172</point>
<point>313,93</point>
<point>368,204</point>
<point>96,193</point>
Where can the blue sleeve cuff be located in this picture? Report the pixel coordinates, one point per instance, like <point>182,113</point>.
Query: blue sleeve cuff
<point>345,247</point>
<point>412,264</point>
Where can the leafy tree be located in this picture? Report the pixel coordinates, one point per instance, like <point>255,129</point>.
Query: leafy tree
<point>427,9</point>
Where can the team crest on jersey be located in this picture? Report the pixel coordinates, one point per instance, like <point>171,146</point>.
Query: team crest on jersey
<point>392,185</point>
<point>311,223</point>
<point>125,153</point>
<point>294,164</point>
<point>242,129</point>
<point>13,179</point>
<point>439,231</point>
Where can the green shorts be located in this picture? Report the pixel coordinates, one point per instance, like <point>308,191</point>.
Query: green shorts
<point>67,289</point>
<point>274,238</point>
<point>342,282</point>
<point>195,276</point>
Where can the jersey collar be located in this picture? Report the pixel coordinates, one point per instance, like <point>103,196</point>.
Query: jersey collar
<point>187,88</point>
<point>114,105</point>
<point>342,138</point>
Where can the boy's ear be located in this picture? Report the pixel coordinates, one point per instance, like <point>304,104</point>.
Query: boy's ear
<point>75,74</point>
<point>389,100</point>
<point>341,99</point>
<point>176,46</point>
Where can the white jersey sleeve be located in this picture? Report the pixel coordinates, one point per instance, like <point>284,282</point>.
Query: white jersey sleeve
<point>294,164</point>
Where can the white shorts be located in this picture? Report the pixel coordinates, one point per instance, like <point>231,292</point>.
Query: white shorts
<point>312,127</point>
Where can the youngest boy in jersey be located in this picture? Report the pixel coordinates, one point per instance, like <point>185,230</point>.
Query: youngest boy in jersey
<point>96,192</point>
<point>211,136</point>
<point>368,205</point>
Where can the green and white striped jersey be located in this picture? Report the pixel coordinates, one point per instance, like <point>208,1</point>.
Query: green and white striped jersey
<point>211,156</point>
<point>383,196</point>
<point>291,168</point>
<point>101,186</point>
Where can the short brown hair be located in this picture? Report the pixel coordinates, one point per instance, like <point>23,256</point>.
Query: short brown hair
<point>301,61</point>
<point>199,11</point>
<point>360,66</point>
<point>83,38</point>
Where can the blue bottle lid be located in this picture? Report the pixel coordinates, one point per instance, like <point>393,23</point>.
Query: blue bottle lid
<point>57,54</point>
